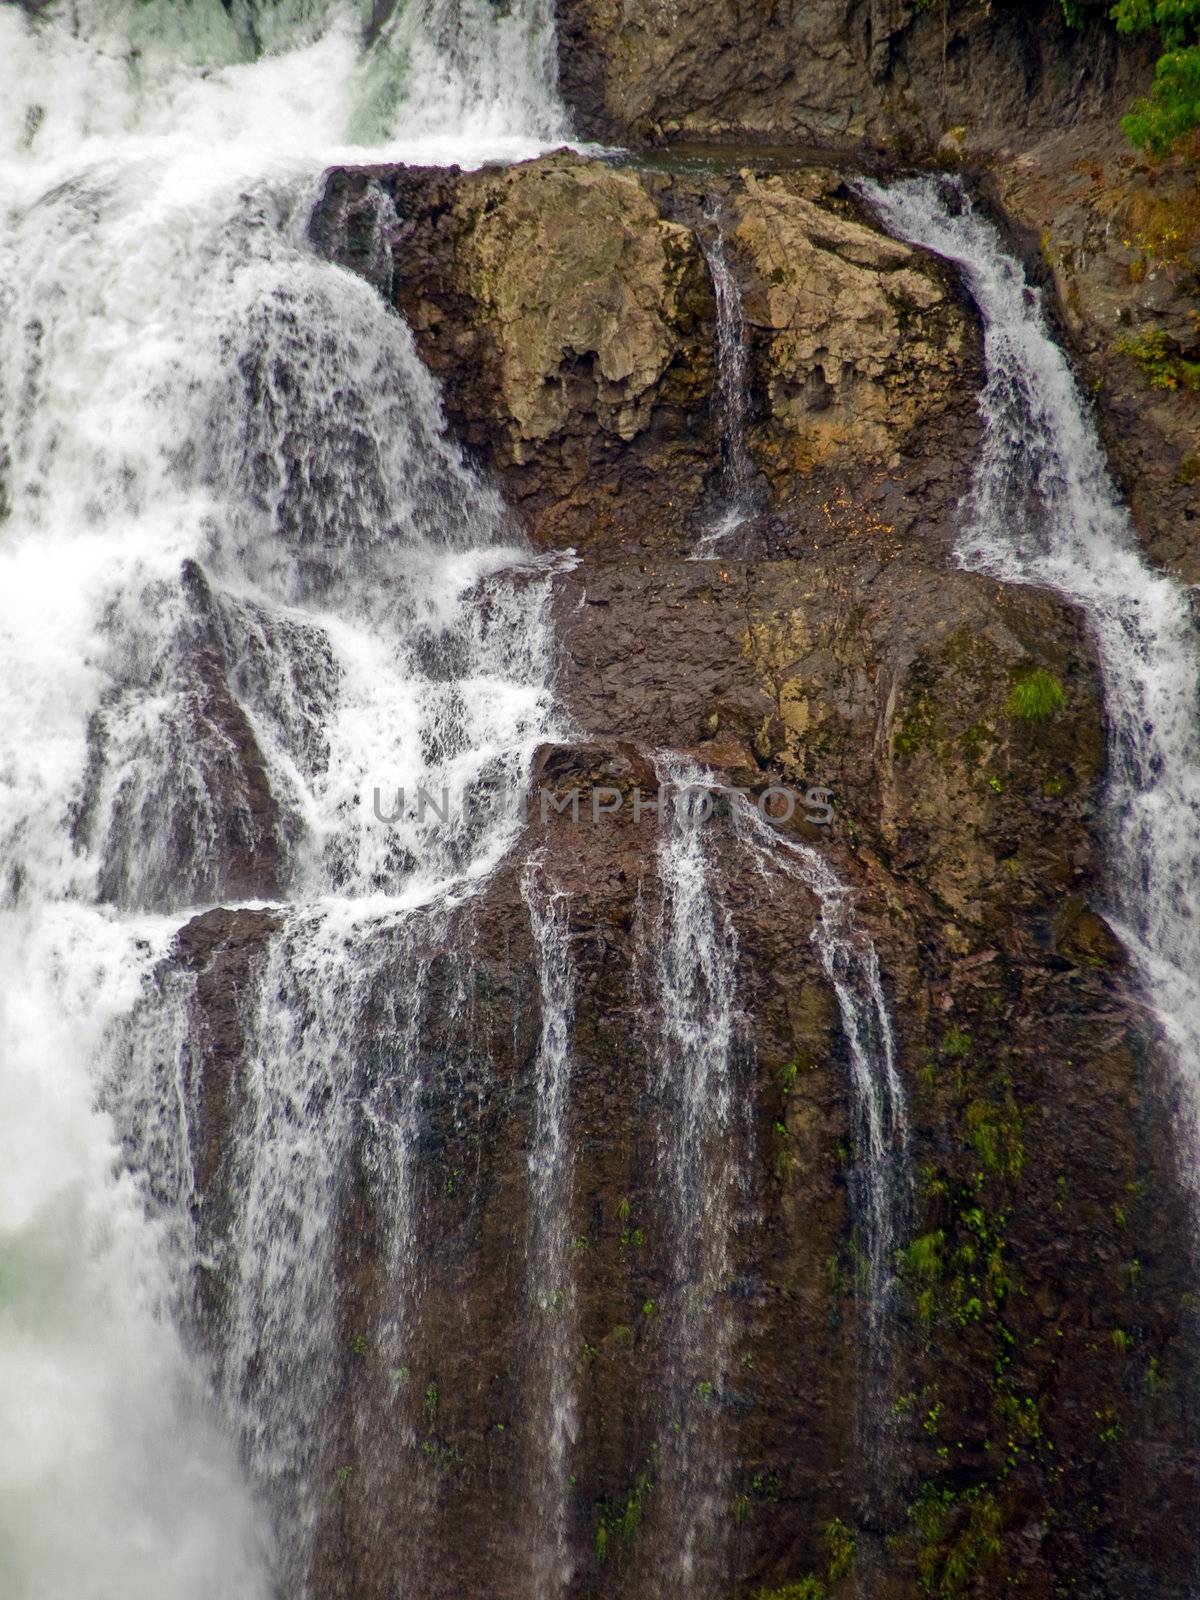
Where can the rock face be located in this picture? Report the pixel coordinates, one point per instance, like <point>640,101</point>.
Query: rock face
<point>836,74</point>
<point>226,835</point>
<point>566,307</point>
<point>1039,1328</point>
<point>1031,1430</point>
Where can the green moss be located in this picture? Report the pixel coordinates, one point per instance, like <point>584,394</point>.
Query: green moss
<point>842,1550</point>
<point>1036,696</point>
<point>959,1538</point>
<point>955,1043</point>
<point>996,1134</point>
<point>842,1547</point>
<point>915,730</point>
<point>924,1256</point>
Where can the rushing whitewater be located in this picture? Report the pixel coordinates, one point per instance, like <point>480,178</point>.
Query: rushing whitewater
<point>232,519</point>
<point>1042,509</point>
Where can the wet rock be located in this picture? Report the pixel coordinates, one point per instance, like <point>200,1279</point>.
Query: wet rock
<point>1039,1121</point>
<point>857,340</point>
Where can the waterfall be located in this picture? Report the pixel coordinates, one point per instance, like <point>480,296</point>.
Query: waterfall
<point>737,465</point>
<point>703,1051</point>
<point>694,950</point>
<point>552,1318</point>
<point>881,1174</point>
<point>1042,509</point>
<point>245,580</point>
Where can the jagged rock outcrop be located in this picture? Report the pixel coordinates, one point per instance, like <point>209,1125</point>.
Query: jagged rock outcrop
<point>856,339</point>
<point>569,324</point>
<point>569,315</point>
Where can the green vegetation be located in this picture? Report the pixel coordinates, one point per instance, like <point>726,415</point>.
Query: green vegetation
<point>960,1538</point>
<point>621,1519</point>
<point>1162,361</point>
<point>955,1043</point>
<point>1036,696</point>
<point>840,1543</point>
<point>1171,111</point>
<point>804,1589</point>
<point>841,1549</point>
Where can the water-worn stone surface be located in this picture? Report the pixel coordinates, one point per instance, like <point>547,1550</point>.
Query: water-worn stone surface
<point>1039,1322</point>
<point>856,340</point>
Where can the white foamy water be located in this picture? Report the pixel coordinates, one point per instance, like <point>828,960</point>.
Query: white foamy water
<point>230,523</point>
<point>1042,509</point>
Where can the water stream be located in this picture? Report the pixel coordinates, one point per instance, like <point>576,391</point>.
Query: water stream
<point>1042,509</point>
<point>732,397</point>
<point>246,582</point>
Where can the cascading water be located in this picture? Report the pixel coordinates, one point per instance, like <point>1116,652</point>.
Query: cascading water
<point>704,1050</point>
<point>552,1312</point>
<point>245,580</point>
<point>737,466</point>
<point>1041,509</point>
<point>693,950</point>
<point>851,964</point>
<point>882,1171</point>
<point>245,583</point>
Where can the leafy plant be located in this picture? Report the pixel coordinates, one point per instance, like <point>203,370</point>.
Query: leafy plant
<point>1159,120</point>
<point>842,1547</point>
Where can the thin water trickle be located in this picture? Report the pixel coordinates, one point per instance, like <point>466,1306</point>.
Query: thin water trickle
<point>552,1322</point>
<point>701,1037</point>
<point>732,398</point>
